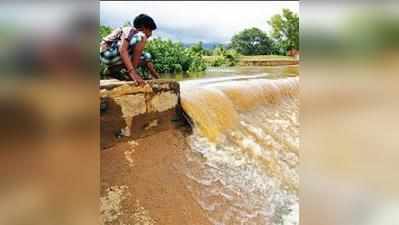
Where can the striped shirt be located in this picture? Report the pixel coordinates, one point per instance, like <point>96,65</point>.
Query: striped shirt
<point>109,47</point>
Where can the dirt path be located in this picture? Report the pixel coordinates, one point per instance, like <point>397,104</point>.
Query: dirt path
<point>141,185</point>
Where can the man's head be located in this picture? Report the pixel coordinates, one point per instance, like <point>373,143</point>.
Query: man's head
<point>145,23</point>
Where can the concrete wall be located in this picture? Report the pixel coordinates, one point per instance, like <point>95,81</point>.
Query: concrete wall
<point>128,111</point>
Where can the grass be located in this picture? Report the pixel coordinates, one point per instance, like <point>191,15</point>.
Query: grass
<point>256,58</point>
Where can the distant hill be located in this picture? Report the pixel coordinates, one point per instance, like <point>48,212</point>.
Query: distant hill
<point>209,45</point>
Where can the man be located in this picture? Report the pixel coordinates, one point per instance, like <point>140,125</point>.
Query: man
<point>121,52</point>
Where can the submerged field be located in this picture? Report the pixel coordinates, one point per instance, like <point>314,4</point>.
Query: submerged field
<point>270,71</point>
<point>256,60</point>
<point>267,60</point>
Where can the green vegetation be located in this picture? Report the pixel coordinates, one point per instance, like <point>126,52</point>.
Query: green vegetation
<point>252,42</point>
<point>172,57</point>
<point>222,57</point>
<point>284,37</point>
<point>104,31</point>
<point>199,49</point>
<point>285,31</point>
<point>214,61</point>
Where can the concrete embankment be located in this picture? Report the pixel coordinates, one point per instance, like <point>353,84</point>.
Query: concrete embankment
<point>143,144</point>
<point>129,111</point>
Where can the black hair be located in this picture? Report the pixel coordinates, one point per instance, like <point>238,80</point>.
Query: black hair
<point>144,21</point>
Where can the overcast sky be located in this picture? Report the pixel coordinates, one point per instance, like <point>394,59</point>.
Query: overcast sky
<point>196,21</point>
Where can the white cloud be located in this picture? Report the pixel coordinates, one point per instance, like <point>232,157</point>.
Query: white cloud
<point>196,21</point>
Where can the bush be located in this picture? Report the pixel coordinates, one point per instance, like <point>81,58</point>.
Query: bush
<point>222,57</point>
<point>104,31</point>
<point>232,57</point>
<point>172,57</point>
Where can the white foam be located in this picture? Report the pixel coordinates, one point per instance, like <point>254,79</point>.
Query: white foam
<point>249,175</point>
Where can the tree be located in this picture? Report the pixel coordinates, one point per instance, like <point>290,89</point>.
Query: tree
<point>285,31</point>
<point>252,42</point>
<point>198,48</point>
<point>219,50</point>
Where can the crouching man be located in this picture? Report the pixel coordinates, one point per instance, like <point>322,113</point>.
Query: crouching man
<point>121,52</point>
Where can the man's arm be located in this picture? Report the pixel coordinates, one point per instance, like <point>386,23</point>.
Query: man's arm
<point>131,68</point>
<point>138,51</point>
<point>150,67</point>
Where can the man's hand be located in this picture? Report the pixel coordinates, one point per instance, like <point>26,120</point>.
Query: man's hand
<point>137,78</point>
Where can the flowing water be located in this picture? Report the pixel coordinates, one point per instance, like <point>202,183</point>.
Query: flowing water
<point>243,157</point>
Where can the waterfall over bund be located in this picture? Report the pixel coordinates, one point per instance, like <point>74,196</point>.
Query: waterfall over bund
<point>243,157</point>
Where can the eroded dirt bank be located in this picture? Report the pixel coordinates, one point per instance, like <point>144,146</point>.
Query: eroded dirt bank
<point>141,185</point>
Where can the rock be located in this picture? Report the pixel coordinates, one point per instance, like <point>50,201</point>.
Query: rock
<point>128,110</point>
<point>163,101</point>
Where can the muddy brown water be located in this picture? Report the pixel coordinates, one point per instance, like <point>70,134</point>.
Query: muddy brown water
<point>241,163</point>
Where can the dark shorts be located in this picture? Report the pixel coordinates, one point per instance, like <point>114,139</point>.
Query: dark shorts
<point>113,66</point>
